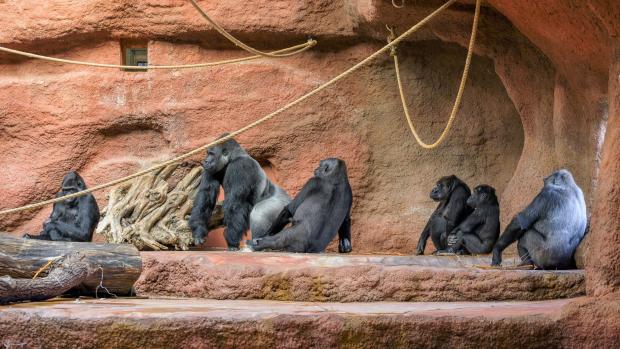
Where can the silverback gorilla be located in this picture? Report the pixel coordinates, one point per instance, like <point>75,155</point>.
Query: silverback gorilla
<point>73,219</point>
<point>322,207</point>
<point>251,200</point>
<point>452,194</point>
<point>550,228</point>
<point>479,231</point>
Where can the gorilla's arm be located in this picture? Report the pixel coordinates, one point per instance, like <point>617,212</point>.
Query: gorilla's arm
<point>280,222</point>
<point>424,236</point>
<point>241,178</point>
<point>88,217</point>
<point>512,233</point>
<point>344,235</point>
<point>455,207</point>
<point>469,225</point>
<point>204,203</point>
<point>312,186</point>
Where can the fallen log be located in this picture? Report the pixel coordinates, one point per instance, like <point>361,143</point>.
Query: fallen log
<point>65,273</point>
<point>118,266</point>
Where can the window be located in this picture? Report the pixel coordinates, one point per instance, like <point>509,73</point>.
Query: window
<point>135,53</point>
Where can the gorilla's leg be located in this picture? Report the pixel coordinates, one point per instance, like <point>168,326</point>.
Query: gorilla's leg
<point>292,239</point>
<point>531,249</point>
<point>474,245</point>
<point>344,236</point>
<point>236,218</point>
<point>264,214</point>
<point>438,228</point>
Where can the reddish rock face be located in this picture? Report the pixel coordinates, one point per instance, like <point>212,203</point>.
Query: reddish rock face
<point>535,101</point>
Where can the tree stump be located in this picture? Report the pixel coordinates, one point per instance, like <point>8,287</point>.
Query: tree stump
<point>145,212</point>
<point>120,265</point>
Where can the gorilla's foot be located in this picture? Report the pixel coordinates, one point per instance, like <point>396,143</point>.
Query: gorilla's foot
<point>344,246</point>
<point>233,248</point>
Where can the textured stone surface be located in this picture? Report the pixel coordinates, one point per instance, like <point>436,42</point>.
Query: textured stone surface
<point>157,323</point>
<point>535,100</point>
<point>335,278</point>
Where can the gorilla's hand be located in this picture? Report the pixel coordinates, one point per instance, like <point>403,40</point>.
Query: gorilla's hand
<point>344,246</point>
<point>497,258</point>
<point>420,250</point>
<point>27,236</point>
<point>199,235</point>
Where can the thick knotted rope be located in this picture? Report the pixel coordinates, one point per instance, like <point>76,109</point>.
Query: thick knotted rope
<point>245,128</point>
<point>459,95</point>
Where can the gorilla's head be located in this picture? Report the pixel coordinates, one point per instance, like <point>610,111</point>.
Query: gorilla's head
<point>220,155</point>
<point>560,179</point>
<point>444,187</point>
<point>72,183</point>
<point>332,169</point>
<point>482,194</point>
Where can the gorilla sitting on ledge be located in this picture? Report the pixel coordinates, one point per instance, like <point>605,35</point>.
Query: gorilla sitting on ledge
<point>550,228</point>
<point>251,200</point>
<point>322,207</point>
<point>452,194</point>
<point>72,219</point>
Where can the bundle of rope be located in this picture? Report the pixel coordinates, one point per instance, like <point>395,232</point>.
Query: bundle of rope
<point>248,127</point>
<point>285,52</point>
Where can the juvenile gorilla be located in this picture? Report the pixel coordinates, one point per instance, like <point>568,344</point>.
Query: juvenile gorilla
<point>73,219</point>
<point>550,228</point>
<point>479,231</point>
<point>322,207</point>
<point>452,194</point>
<point>251,200</point>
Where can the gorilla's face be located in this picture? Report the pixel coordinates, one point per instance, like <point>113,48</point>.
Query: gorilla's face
<point>560,179</point>
<point>72,183</point>
<point>480,195</point>
<point>329,168</point>
<point>443,188</point>
<point>217,159</point>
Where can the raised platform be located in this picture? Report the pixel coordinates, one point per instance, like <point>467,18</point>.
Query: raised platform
<point>346,278</point>
<point>192,323</point>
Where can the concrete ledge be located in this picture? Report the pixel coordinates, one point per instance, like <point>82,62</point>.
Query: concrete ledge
<point>348,278</point>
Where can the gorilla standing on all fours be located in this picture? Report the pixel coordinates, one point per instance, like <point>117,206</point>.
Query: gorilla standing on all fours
<point>322,207</point>
<point>479,231</point>
<point>452,194</point>
<point>72,219</point>
<point>550,228</point>
<point>251,200</point>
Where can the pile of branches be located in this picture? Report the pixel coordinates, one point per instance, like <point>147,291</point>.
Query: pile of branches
<point>152,213</point>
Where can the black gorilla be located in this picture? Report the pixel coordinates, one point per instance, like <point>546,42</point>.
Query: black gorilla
<point>251,200</point>
<point>452,194</point>
<point>479,231</point>
<point>550,228</point>
<point>73,219</point>
<point>322,207</point>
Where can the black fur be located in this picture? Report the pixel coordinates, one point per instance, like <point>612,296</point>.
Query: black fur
<point>452,194</point>
<point>550,228</point>
<point>478,233</point>
<point>322,207</point>
<point>73,219</point>
<point>251,200</point>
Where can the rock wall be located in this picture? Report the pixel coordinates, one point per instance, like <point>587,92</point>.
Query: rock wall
<point>535,101</point>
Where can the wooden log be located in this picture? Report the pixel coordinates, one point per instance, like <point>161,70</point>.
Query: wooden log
<point>65,273</point>
<point>120,263</point>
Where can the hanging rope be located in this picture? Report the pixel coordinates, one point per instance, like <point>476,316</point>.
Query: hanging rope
<point>285,52</point>
<point>243,129</point>
<point>459,95</point>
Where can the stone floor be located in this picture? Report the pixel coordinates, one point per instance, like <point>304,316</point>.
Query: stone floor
<point>347,278</point>
<point>200,323</point>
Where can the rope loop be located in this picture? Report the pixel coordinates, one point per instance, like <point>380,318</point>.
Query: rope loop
<point>391,36</point>
<point>402,4</point>
<point>459,95</point>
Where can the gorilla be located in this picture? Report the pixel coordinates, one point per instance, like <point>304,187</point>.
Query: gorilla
<point>322,207</point>
<point>550,228</point>
<point>479,231</point>
<point>251,200</point>
<point>452,194</point>
<point>72,219</point>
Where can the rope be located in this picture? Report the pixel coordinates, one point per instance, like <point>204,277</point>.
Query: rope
<point>243,129</point>
<point>296,48</point>
<point>459,95</point>
<point>402,4</point>
<point>45,266</point>
<point>237,42</point>
<point>285,52</point>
